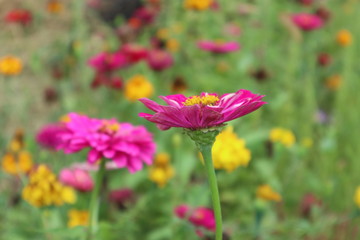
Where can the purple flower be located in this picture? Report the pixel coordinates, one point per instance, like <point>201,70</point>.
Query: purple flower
<point>218,46</point>
<point>307,21</point>
<point>199,112</point>
<point>128,146</point>
<point>48,136</point>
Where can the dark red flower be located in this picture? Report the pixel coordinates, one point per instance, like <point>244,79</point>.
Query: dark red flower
<point>324,59</point>
<point>134,52</point>
<point>122,198</point>
<point>21,16</point>
<point>307,203</point>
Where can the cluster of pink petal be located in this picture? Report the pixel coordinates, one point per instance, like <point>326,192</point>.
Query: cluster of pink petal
<point>307,21</point>
<point>218,47</point>
<point>48,136</point>
<point>129,146</point>
<point>230,106</point>
<point>200,217</point>
<point>108,61</point>
<point>159,59</point>
<point>77,178</point>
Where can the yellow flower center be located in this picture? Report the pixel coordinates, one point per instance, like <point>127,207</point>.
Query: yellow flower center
<point>109,127</point>
<point>208,100</point>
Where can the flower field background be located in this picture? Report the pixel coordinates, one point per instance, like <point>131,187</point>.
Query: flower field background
<point>288,170</point>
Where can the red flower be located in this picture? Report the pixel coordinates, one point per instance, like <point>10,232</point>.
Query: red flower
<point>21,16</point>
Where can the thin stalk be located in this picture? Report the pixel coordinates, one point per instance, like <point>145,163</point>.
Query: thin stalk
<point>95,201</point>
<point>206,152</point>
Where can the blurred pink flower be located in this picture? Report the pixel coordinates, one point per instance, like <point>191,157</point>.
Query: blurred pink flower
<point>21,16</point>
<point>105,79</point>
<point>134,52</point>
<point>128,146</point>
<point>107,62</point>
<point>203,217</point>
<point>77,178</point>
<point>49,136</point>
<point>307,21</point>
<point>218,46</point>
<point>204,111</point>
<point>232,29</point>
<point>145,14</point>
<point>122,197</point>
<point>159,60</point>
<point>182,211</point>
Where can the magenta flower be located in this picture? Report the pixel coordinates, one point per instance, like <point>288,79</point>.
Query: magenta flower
<point>49,136</point>
<point>307,21</point>
<point>107,62</point>
<point>122,198</point>
<point>128,146</point>
<point>134,52</point>
<point>203,217</point>
<point>218,46</point>
<point>204,111</point>
<point>159,60</point>
<point>182,211</point>
<point>77,178</point>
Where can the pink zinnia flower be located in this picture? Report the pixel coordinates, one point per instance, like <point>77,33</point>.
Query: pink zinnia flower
<point>134,52</point>
<point>203,217</point>
<point>49,136</point>
<point>77,178</point>
<point>107,62</point>
<point>159,60</point>
<point>122,197</point>
<point>182,211</point>
<point>218,46</point>
<point>199,112</point>
<point>128,146</point>
<point>307,21</point>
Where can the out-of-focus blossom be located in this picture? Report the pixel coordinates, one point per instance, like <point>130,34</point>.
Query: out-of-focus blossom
<point>232,29</point>
<point>122,198</point>
<point>222,67</point>
<point>134,52</point>
<point>77,178</point>
<point>44,189</point>
<point>78,218</point>
<point>54,6</point>
<point>260,74</point>
<point>203,111</point>
<point>306,2</point>
<point>357,197</point>
<point>344,38</point>
<point>197,4</point>
<point>308,201</point>
<point>159,60</point>
<point>182,211</point>
<point>265,192</point>
<point>307,142</point>
<point>307,21</point>
<point>282,135</point>
<point>324,59</point>
<point>17,163</point>
<point>138,87</point>
<point>172,45</point>
<point>229,151</point>
<point>108,80</point>
<point>107,62</point>
<point>178,85</point>
<point>20,16</point>
<point>323,13</point>
<point>49,136</point>
<point>17,142</point>
<point>50,95</point>
<point>161,171</point>
<point>333,82</point>
<point>321,117</point>
<point>218,46</point>
<point>146,15</point>
<point>127,145</point>
<point>10,65</point>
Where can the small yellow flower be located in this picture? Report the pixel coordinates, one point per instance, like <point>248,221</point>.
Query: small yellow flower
<point>333,82</point>
<point>54,6</point>
<point>10,65</point>
<point>162,33</point>
<point>17,163</point>
<point>344,38</point>
<point>197,4</point>
<point>78,218</point>
<point>265,192</point>
<point>44,189</point>
<point>357,197</point>
<point>284,136</point>
<point>138,87</point>
<point>229,151</point>
<point>172,45</point>
<point>307,142</point>
<point>161,172</point>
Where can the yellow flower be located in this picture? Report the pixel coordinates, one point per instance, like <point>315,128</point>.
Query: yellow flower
<point>54,6</point>
<point>172,45</point>
<point>162,33</point>
<point>307,142</point>
<point>357,197</point>
<point>265,192</point>
<point>284,136</point>
<point>333,82</point>
<point>78,218</point>
<point>44,189</point>
<point>161,172</point>
<point>197,4</point>
<point>10,65</point>
<point>17,163</point>
<point>138,87</point>
<point>229,151</point>
<point>344,38</point>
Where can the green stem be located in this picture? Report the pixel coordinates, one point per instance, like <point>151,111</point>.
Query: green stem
<point>95,201</point>
<point>206,152</point>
